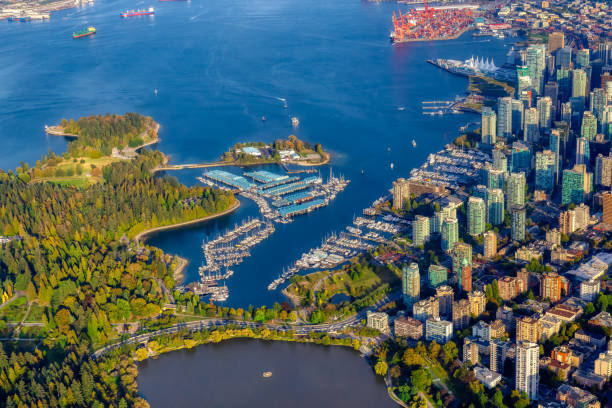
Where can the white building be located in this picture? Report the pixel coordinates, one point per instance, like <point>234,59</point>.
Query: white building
<point>378,321</point>
<point>489,378</point>
<point>527,375</point>
<point>439,330</point>
<point>589,290</point>
<point>481,330</point>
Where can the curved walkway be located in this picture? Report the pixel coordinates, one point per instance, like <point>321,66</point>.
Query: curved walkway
<point>144,233</point>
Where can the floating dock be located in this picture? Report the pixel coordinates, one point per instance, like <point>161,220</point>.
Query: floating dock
<point>230,179</point>
<point>295,198</point>
<point>263,176</point>
<point>295,209</point>
<point>278,183</point>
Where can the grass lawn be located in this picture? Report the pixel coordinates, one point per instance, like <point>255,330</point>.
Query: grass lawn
<point>490,87</point>
<point>15,311</point>
<point>36,313</point>
<point>75,181</point>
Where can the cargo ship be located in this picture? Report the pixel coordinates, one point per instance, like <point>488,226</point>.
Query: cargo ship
<point>84,33</point>
<point>134,13</point>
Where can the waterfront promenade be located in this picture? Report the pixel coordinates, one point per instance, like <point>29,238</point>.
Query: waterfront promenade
<point>209,323</point>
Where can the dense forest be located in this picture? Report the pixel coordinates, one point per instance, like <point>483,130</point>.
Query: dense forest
<point>102,133</point>
<point>72,255</point>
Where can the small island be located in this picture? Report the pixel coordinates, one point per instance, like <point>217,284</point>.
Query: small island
<point>292,151</point>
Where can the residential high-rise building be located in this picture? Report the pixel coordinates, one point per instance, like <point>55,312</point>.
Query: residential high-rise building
<point>516,190</point>
<point>478,302</point>
<point>550,286</point>
<point>555,147</point>
<point>564,57</point>
<point>479,191</point>
<point>588,129</point>
<point>553,237</point>
<point>545,171</point>
<point>438,330</point>
<point>508,287</point>
<point>579,85</point>
<point>521,157</point>
<point>489,126</point>
<point>545,111</point>
<point>476,217</point>
<point>490,244</point>
<point>420,230</point>
<point>470,351</point>
<point>556,40</point>
<point>461,314</point>
<point>551,89</point>
<point>504,117</point>
<point>500,160</point>
<point>597,104</point>
<point>603,364</point>
<point>583,58</point>
<point>464,278</point>
<point>536,61</point>
<point>378,321</point>
<point>517,116</point>
<point>446,296</point>
<point>461,252</point>
<point>583,153</point>
<point>603,170</point>
<point>450,233</point>
<point>567,223</point>
<point>607,207</point>
<point>527,368</point>
<point>528,329</point>
<point>411,284</point>
<point>437,275</point>
<point>426,309</point>
<point>401,191</point>
<point>576,186</point>
<point>498,352</point>
<point>495,206</point>
<point>493,178</point>
<point>531,130</point>
<point>603,52</point>
<point>582,216</point>
<point>566,113</point>
<point>405,326</point>
<point>518,222</point>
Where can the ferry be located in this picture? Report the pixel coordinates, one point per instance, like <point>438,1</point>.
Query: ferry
<point>142,12</point>
<point>84,33</point>
<point>267,374</point>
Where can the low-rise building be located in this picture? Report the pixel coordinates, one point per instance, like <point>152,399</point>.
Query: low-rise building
<point>576,397</point>
<point>603,319</point>
<point>588,379</point>
<point>378,321</point>
<point>598,340</point>
<point>489,378</point>
<point>565,312</point>
<point>408,327</point>
<point>481,330</point>
<point>549,326</point>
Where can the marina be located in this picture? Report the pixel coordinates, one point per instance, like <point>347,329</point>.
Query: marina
<point>367,232</point>
<point>289,196</point>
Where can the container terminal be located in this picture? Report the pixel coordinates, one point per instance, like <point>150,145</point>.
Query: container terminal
<point>429,24</point>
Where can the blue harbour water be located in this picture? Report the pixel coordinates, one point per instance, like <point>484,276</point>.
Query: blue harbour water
<point>219,66</point>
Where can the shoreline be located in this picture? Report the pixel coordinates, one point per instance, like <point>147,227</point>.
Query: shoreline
<point>142,236</point>
<point>178,167</point>
<point>180,268</point>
